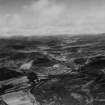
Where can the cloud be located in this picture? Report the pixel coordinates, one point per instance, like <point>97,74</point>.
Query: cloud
<point>45,17</point>
<point>32,19</point>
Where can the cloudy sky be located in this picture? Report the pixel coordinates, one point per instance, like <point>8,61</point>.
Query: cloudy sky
<point>44,17</point>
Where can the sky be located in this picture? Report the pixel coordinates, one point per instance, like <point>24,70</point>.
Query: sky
<point>51,17</point>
